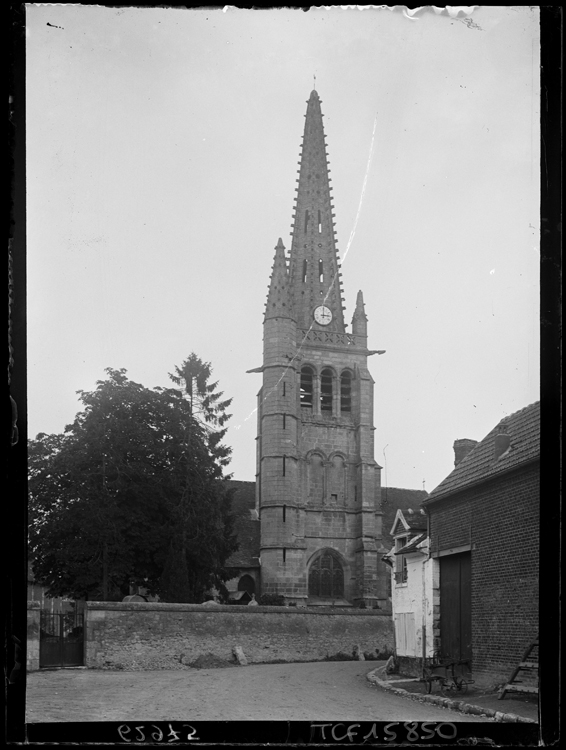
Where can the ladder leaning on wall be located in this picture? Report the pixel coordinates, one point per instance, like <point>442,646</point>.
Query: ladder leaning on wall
<point>528,664</point>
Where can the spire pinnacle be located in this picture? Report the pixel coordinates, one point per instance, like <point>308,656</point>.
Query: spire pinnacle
<point>314,269</point>
<point>278,299</point>
<point>359,321</point>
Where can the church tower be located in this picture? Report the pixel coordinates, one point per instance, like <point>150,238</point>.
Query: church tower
<point>317,483</point>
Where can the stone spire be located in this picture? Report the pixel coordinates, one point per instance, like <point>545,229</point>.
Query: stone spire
<point>278,299</point>
<point>314,268</point>
<point>360,321</point>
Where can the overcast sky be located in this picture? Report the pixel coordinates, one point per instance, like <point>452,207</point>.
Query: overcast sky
<point>162,149</point>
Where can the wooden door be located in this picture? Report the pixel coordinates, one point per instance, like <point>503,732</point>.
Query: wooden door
<point>456,607</point>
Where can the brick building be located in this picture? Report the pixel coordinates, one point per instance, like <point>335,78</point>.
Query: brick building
<point>484,541</point>
<point>317,482</point>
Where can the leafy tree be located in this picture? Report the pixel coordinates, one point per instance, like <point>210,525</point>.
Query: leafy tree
<point>132,492</point>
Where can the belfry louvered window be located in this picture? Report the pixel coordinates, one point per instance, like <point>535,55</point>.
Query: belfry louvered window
<point>306,387</point>
<point>326,577</point>
<point>326,390</point>
<point>346,392</point>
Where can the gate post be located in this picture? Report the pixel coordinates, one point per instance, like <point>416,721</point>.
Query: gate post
<point>32,641</point>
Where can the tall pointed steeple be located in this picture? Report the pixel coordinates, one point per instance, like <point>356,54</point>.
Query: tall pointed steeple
<point>317,481</point>
<point>314,268</point>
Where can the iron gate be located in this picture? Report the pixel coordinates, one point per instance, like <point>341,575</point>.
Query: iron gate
<point>61,639</point>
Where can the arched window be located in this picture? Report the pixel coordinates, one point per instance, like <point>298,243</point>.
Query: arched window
<point>326,577</point>
<point>326,390</point>
<point>346,392</point>
<point>307,376</point>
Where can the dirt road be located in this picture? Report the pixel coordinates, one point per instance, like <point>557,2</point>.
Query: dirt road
<point>318,691</point>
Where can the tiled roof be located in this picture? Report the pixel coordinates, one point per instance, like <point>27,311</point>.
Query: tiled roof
<point>245,527</point>
<point>480,464</point>
<point>415,520</point>
<point>393,499</point>
<point>412,546</point>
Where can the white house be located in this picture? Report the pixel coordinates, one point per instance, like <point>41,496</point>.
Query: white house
<point>414,586</point>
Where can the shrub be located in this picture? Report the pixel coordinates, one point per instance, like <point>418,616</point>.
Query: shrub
<point>272,600</point>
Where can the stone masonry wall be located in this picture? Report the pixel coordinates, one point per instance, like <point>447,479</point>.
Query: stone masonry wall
<point>138,636</point>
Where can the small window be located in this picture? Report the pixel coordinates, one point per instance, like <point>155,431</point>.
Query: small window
<point>306,387</point>
<point>320,271</point>
<point>284,389</point>
<point>284,513</point>
<point>306,221</point>
<point>284,421</point>
<point>319,222</point>
<point>284,465</point>
<point>346,392</point>
<point>305,266</point>
<point>401,561</point>
<point>326,390</point>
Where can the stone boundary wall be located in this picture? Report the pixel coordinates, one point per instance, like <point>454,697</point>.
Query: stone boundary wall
<point>150,635</point>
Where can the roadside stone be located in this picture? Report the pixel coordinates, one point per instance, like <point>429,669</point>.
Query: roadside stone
<point>240,656</point>
<point>470,709</point>
<point>390,666</point>
<point>436,699</point>
<point>358,653</point>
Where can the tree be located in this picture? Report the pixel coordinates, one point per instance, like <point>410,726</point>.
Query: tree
<point>205,405</point>
<point>111,498</point>
<point>200,542</point>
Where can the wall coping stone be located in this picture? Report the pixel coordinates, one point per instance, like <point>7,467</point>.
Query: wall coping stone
<point>236,608</point>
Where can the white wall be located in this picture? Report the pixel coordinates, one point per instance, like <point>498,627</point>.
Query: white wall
<point>409,601</point>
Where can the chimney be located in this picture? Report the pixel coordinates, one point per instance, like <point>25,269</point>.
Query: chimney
<point>462,448</point>
<point>502,440</point>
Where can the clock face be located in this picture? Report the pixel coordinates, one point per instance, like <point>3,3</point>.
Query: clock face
<point>323,315</point>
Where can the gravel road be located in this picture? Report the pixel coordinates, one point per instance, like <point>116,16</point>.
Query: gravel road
<point>317,691</point>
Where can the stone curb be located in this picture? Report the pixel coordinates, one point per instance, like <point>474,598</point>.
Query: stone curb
<point>437,700</point>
